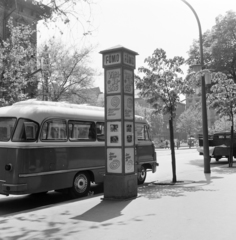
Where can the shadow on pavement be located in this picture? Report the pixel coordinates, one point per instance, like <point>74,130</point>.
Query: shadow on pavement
<point>29,203</point>
<point>104,211</point>
<point>158,190</point>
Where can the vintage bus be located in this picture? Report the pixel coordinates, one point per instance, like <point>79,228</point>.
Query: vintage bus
<point>48,146</point>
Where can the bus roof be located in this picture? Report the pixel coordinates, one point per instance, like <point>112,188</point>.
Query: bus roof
<point>39,110</point>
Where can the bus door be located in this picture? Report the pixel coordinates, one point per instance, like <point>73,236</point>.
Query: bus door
<point>6,160</point>
<point>145,149</point>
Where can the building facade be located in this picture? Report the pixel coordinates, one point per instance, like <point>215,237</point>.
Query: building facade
<point>21,11</point>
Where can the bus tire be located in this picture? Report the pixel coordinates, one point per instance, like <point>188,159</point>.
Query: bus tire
<point>81,185</point>
<point>142,173</point>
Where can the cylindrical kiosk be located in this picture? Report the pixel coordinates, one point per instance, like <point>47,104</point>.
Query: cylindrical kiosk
<point>120,179</point>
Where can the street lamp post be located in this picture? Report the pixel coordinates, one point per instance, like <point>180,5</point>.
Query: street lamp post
<point>204,107</point>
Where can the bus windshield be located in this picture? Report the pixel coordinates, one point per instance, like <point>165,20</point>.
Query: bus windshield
<point>6,128</point>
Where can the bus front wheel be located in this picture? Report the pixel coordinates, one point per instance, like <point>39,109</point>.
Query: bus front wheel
<point>81,185</point>
<point>142,173</point>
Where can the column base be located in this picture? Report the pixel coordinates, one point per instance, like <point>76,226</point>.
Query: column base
<point>118,187</point>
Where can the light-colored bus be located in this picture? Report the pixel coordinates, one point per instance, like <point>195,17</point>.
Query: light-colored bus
<point>48,146</point>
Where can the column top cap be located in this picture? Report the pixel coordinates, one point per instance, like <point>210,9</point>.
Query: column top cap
<point>117,48</point>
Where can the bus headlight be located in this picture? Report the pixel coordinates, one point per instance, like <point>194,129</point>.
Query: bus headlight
<point>8,167</point>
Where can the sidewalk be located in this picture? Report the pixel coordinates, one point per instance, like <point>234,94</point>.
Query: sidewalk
<point>199,207</point>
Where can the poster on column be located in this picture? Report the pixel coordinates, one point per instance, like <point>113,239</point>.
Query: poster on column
<point>114,160</point>
<point>113,81</point>
<point>113,134</point>
<point>129,160</point>
<point>128,81</point>
<point>128,107</point>
<point>129,134</point>
<point>113,107</point>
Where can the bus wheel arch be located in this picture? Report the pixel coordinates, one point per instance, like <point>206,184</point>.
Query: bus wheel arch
<point>81,185</point>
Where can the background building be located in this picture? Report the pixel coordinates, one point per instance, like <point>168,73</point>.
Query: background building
<point>22,11</point>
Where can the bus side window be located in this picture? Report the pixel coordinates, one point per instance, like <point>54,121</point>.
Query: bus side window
<point>30,130</point>
<point>100,129</point>
<point>141,132</point>
<point>82,131</point>
<point>146,129</point>
<point>3,133</point>
<point>54,129</point>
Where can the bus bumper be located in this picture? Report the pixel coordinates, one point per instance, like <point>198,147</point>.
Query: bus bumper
<point>154,167</point>
<point>13,189</point>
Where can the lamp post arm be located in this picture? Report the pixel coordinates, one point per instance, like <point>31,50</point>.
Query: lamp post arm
<point>200,31</point>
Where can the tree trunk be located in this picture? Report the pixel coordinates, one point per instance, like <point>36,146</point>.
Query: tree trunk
<point>172,146</point>
<point>231,146</point>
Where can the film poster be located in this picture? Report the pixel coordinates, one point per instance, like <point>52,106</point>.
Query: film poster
<point>113,107</point>
<point>129,133</point>
<point>113,134</point>
<point>128,107</point>
<point>113,81</point>
<point>114,160</point>
<point>129,160</point>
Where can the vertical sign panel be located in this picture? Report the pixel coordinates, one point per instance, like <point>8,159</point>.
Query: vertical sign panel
<point>128,107</point>
<point>129,134</point>
<point>113,81</point>
<point>114,134</point>
<point>113,107</point>
<point>128,81</point>
<point>129,160</point>
<point>114,160</point>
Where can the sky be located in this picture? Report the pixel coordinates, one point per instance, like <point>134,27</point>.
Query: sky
<point>141,26</point>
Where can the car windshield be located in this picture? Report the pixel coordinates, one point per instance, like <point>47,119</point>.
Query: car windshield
<point>6,128</point>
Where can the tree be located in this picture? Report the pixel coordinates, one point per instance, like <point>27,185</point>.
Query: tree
<point>189,121</point>
<point>161,86</point>
<point>67,73</point>
<point>66,10</point>
<point>17,63</point>
<point>221,125</point>
<point>222,98</point>
<point>219,46</point>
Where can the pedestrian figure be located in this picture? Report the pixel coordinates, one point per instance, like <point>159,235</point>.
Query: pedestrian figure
<point>167,144</point>
<point>178,144</point>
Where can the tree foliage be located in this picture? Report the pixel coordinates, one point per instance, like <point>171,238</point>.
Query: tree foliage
<point>222,124</point>
<point>17,62</point>
<point>222,97</point>
<point>219,46</point>
<point>160,83</point>
<point>190,121</point>
<point>67,73</point>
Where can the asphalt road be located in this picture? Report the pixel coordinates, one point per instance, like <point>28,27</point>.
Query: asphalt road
<point>12,205</point>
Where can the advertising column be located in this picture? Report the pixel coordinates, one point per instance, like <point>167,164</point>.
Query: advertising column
<point>120,179</point>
